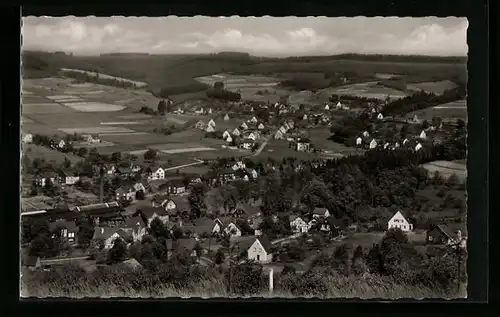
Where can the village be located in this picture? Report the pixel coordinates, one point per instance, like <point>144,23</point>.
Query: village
<point>225,174</point>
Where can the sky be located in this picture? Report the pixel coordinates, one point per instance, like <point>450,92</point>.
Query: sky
<point>263,36</point>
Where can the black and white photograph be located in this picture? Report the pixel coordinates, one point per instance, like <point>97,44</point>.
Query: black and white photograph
<point>237,157</point>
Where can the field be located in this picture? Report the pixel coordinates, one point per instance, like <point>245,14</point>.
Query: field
<point>436,87</point>
<point>33,151</point>
<point>365,90</point>
<point>319,137</point>
<point>446,169</point>
<point>448,111</point>
<point>138,83</point>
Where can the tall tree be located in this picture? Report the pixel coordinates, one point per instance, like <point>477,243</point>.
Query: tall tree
<point>118,252</point>
<point>162,107</point>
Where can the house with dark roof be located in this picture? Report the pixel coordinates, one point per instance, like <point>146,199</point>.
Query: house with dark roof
<point>446,234</point>
<point>176,187</point>
<point>124,171</point>
<point>66,229</point>
<point>243,210</point>
<point>148,214</point>
<point>41,179</point>
<point>30,262</point>
<point>260,250</point>
<point>155,172</point>
<point>319,212</point>
<point>67,176</point>
<point>183,245</point>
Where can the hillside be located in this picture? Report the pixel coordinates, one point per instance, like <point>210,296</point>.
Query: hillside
<point>174,74</point>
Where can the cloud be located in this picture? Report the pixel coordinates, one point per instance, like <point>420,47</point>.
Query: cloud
<point>264,36</point>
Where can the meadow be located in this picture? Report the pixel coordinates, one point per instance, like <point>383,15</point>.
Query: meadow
<point>448,111</point>
<point>435,87</point>
<point>446,169</point>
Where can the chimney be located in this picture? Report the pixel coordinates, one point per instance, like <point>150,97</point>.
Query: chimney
<point>271,281</point>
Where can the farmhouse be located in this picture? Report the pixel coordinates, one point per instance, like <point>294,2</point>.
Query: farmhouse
<point>225,135</point>
<point>423,135</point>
<point>108,235</point>
<point>200,125</point>
<point>304,117</point>
<point>68,177</point>
<point>210,128</point>
<point>27,138</point>
<point>283,130</point>
<point>260,126</point>
<point>148,214</point>
<point>380,116</point>
<point>260,250</point>
<point>128,192</point>
<point>244,126</point>
<point>65,229</point>
<point>58,143</point>
<point>338,105</point>
<point>210,111</point>
<point>176,187</point>
<point>199,111</point>
<point>41,180</point>
<point>373,144</point>
<point>211,122</point>
<point>89,138</point>
<point>298,225</point>
<point>155,173</point>
<point>124,171</point>
<point>226,117</point>
<point>238,165</point>
<point>444,234</point>
<point>399,221</point>
<point>278,135</point>
<point>236,132</point>
<point>229,139</point>
<point>253,120</point>
<point>327,107</point>
<point>418,147</point>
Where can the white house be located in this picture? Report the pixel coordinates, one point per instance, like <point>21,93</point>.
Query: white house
<point>210,111</point>
<point>304,117</point>
<point>283,129</point>
<point>366,134</point>
<point>169,204</point>
<point>236,132</point>
<point>339,105</point>
<point>156,173</point>
<point>200,111</point>
<point>298,225</point>
<point>247,144</point>
<point>253,120</point>
<point>303,146</point>
<point>396,145</point>
<point>211,122</point>
<point>278,135</point>
<point>252,110</point>
<point>91,139</point>
<point>386,146</point>
<point>373,144</point>
<point>374,110</point>
<point>226,117</point>
<point>27,138</point>
<point>260,126</point>
<point>200,125</point>
<point>405,141</point>
<point>260,250</point>
<point>238,165</point>
<point>380,116</point>
<point>423,135</point>
<point>229,139</point>
<point>225,134</point>
<point>418,147</point>
<point>210,128</point>
<point>327,107</point>
<point>399,221</point>
<point>232,230</point>
<point>244,126</point>
<point>359,141</point>
<point>252,136</point>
